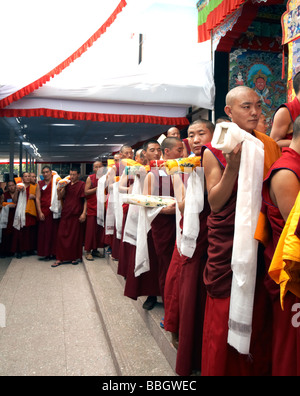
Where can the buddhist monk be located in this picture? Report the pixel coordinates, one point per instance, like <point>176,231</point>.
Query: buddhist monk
<point>175,132</point>
<point>243,106</point>
<point>25,236</point>
<point>280,190</point>
<point>185,293</point>
<point>147,283</point>
<point>284,117</point>
<point>10,198</point>
<point>48,224</point>
<point>163,227</point>
<point>94,234</point>
<point>127,250</point>
<point>70,234</point>
<point>114,175</point>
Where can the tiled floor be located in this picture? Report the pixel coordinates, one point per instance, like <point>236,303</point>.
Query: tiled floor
<point>52,326</point>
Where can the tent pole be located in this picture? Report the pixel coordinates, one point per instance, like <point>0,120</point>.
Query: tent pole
<point>11,153</point>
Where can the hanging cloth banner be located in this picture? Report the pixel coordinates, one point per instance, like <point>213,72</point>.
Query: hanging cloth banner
<point>212,13</point>
<point>11,90</point>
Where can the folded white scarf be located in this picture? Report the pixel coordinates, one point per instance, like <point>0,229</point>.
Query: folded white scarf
<point>110,216</point>
<point>118,209</point>
<point>130,229</point>
<point>100,193</point>
<point>194,203</point>
<point>244,253</point>
<point>146,216</point>
<point>20,219</point>
<point>55,206</point>
<point>3,219</point>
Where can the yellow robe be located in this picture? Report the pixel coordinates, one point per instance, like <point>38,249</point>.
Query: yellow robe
<point>31,207</point>
<point>272,154</point>
<point>285,265</point>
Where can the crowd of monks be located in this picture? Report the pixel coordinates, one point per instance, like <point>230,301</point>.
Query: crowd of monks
<point>66,218</point>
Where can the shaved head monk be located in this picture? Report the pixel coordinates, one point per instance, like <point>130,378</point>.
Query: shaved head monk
<point>48,225</point>
<point>284,117</point>
<point>25,239</point>
<point>94,235</point>
<point>243,106</point>
<point>163,227</point>
<point>185,293</point>
<point>280,190</point>
<point>175,132</point>
<point>71,228</point>
<point>147,283</point>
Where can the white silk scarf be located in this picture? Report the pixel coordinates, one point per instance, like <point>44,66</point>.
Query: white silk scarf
<point>244,253</point>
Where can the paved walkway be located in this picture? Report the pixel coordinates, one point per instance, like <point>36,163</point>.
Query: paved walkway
<point>52,325</point>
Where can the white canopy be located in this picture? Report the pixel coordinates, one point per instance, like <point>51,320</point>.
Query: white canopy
<point>175,72</point>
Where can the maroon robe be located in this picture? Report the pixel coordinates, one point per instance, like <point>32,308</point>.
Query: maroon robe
<point>185,297</point>
<point>94,233</point>
<point>218,357</point>
<point>71,231</point>
<point>192,299</point>
<point>125,248</point>
<point>187,145</point>
<point>163,229</point>
<point>25,239</point>
<point>294,110</point>
<point>297,232</point>
<point>286,337</point>
<point>48,228</point>
<point>112,240</point>
<point>147,283</point>
<point>7,233</point>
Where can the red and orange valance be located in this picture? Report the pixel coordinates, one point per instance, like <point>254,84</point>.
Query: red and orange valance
<point>211,13</point>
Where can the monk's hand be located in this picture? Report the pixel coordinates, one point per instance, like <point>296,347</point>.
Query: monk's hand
<point>82,218</point>
<point>233,159</point>
<point>169,210</point>
<point>41,216</point>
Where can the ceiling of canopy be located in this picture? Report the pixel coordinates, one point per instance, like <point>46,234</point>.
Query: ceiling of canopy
<point>57,140</point>
<point>105,97</point>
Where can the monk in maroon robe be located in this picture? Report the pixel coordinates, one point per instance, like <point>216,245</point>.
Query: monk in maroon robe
<point>25,240</point>
<point>280,190</point>
<point>70,235</point>
<point>243,106</point>
<point>94,234</point>
<point>284,117</point>
<point>163,227</point>
<point>125,248</point>
<point>48,225</point>
<point>9,199</point>
<point>146,284</point>
<point>185,292</point>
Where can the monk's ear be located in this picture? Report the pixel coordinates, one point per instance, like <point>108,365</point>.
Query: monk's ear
<point>227,110</point>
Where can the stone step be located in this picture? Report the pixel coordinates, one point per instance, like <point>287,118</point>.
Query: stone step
<point>138,345</point>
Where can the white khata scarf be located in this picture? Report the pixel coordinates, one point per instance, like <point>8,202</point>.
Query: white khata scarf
<point>130,229</point>
<point>4,213</point>
<point>20,219</point>
<point>100,192</point>
<point>194,203</point>
<point>110,216</point>
<point>55,206</point>
<point>146,216</point>
<point>244,253</point>
<point>118,209</point>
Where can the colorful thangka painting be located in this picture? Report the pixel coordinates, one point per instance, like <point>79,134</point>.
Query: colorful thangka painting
<point>262,72</point>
